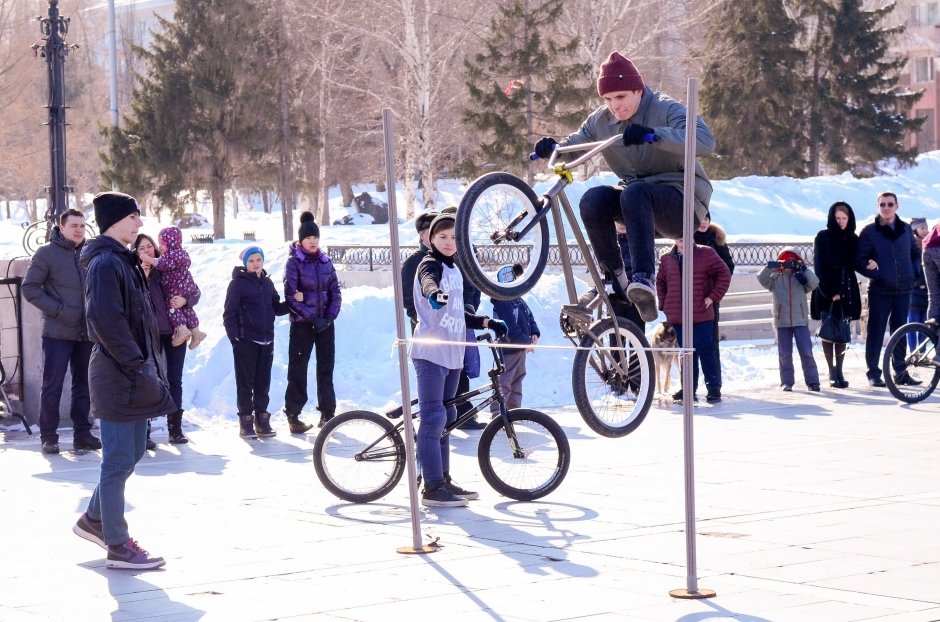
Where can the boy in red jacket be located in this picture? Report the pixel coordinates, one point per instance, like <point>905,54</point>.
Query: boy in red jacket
<point>710,281</point>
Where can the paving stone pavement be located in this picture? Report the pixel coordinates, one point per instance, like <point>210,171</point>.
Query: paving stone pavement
<point>810,506</point>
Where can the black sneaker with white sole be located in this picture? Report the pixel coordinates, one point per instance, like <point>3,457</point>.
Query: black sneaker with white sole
<point>90,530</point>
<point>460,492</point>
<point>442,497</point>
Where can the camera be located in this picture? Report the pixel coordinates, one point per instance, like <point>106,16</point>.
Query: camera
<point>789,264</point>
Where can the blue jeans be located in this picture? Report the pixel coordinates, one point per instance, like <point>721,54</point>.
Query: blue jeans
<point>705,353</point>
<point>646,209</point>
<point>435,384</point>
<point>883,309</point>
<point>58,356</point>
<point>122,445</point>
<point>804,346</point>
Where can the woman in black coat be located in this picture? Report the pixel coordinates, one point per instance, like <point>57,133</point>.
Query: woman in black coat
<point>833,261</point>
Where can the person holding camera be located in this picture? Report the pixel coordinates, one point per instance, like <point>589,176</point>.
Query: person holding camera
<point>789,280</point>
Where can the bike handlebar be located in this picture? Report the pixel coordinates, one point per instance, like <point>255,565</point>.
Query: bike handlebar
<point>593,149</point>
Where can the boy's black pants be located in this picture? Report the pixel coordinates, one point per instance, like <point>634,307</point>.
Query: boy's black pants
<point>252,376</point>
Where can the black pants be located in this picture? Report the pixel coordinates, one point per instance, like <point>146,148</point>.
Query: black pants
<point>884,311</point>
<point>175,358</point>
<point>253,363</point>
<point>58,356</point>
<point>303,337</point>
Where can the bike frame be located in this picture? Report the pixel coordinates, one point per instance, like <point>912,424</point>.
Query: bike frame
<point>495,395</point>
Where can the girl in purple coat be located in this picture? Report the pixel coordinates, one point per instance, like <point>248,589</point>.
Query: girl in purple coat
<point>173,264</point>
<point>312,292</point>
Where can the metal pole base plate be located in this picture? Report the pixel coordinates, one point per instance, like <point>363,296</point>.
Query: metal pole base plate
<point>685,593</point>
<point>421,550</point>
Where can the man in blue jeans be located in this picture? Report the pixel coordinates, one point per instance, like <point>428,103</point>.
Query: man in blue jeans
<point>886,255</point>
<point>127,384</point>
<point>650,162</point>
<point>55,284</point>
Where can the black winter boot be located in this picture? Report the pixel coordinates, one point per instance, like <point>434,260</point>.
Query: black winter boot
<point>247,426</point>
<point>843,383</point>
<point>263,425</point>
<point>174,427</point>
<point>296,425</point>
<point>834,378</point>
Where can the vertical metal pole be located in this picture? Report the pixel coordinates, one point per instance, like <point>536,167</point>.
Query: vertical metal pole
<point>412,472</point>
<point>112,62</point>
<point>688,343</point>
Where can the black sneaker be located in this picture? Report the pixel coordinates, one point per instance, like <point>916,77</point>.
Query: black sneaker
<point>814,387</point>
<point>442,497</point>
<point>50,447</point>
<point>906,380</point>
<point>641,293</point>
<point>460,492</point>
<point>786,387</point>
<point>131,555</point>
<point>90,530</point>
<point>677,397</point>
<point>876,383</point>
<point>85,440</point>
<point>714,395</point>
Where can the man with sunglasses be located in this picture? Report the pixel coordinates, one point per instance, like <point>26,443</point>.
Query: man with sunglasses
<point>886,255</point>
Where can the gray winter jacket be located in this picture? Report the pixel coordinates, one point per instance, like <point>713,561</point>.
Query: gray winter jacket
<point>661,162</point>
<point>55,284</point>
<point>790,306</point>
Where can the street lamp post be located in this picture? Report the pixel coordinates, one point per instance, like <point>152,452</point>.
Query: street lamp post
<point>54,50</point>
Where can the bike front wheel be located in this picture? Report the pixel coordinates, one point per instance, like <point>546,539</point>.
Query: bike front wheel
<point>359,456</point>
<point>909,372</point>
<point>613,399</point>
<point>533,469</point>
<point>493,210</point>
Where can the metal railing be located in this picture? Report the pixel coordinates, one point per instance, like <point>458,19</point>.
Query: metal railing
<point>380,257</point>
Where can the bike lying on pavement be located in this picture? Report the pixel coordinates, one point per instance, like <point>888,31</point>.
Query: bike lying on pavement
<point>500,214</point>
<point>912,373</point>
<point>359,456</point>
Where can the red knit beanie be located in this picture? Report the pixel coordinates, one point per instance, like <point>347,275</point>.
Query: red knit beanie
<point>618,74</point>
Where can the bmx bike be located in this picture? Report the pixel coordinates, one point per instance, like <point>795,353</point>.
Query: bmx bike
<point>911,373</point>
<point>501,214</point>
<point>359,456</point>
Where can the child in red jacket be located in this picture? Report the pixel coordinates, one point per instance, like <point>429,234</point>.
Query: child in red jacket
<point>710,281</point>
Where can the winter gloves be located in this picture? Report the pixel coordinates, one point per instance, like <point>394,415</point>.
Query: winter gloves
<point>545,147</point>
<point>438,299</point>
<point>498,327</point>
<point>636,134</point>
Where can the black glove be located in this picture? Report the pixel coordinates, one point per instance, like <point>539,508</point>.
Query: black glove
<point>636,134</point>
<point>800,267</point>
<point>801,276</point>
<point>545,147</point>
<point>498,327</point>
<point>321,324</point>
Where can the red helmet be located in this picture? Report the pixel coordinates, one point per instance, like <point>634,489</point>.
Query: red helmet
<point>787,254</point>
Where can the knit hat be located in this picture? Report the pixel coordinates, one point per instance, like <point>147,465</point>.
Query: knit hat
<point>442,221</point>
<point>918,222</point>
<point>423,221</point>
<point>618,74</point>
<point>308,227</point>
<point>111,207</point>
<point>246,254</point>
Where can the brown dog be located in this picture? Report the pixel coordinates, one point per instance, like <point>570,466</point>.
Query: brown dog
<point>664,337</point>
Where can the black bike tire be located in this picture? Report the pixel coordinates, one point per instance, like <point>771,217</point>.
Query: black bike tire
<point>644,398</point>
<point>329,479</point>
<point>899,339</point>
<point>492,474</point>
<point>469,262</point>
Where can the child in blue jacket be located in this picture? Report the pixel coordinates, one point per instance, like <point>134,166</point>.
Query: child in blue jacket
<point>522,331</point>
<point>251,304</point>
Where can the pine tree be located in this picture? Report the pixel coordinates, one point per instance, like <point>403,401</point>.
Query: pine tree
<point>524,85</point>
<point>860,115</point>
<point>749,88</point>
<point>205,104</point>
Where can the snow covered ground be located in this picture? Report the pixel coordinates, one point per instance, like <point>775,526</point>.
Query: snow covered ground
<point>366,374</point>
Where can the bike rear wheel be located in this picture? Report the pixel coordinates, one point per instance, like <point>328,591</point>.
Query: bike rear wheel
<point>612,402</point>
<point>541,463</point>
<point>494,207</point>
<point>901,364</point>
<point>358,456</point>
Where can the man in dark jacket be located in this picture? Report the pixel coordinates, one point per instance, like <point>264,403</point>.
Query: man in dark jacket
<point>886,255</point>
<point>127,384</point>
<point>55,283</point>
